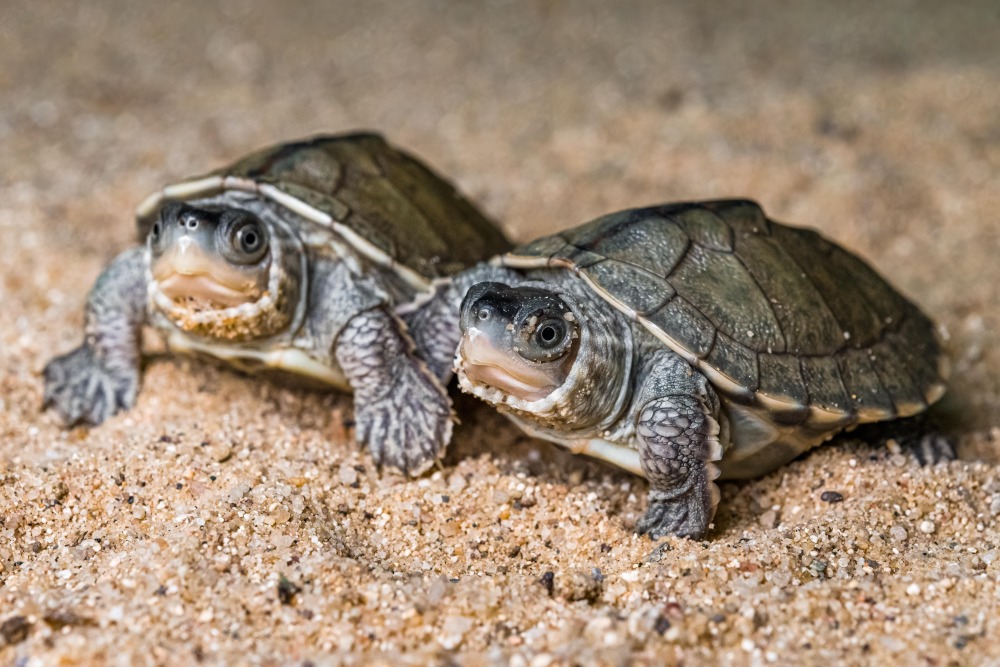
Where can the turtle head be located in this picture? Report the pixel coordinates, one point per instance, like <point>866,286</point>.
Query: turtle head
<point>520,340</point>
<point>219,271</point>
<point>219,258</point>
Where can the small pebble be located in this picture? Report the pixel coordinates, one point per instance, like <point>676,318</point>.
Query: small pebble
<point>347,474</point>
<point>768,519</point>
<point>548,581</point>
<point>15,629</point>
<point>220,452</point>
<point>453,631</point>
<point>831,497</point>
<point>927,527</point>
<point>287,591</point>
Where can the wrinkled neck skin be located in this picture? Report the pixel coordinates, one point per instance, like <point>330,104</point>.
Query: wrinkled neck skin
<point>598,385</point>
<point>280,307</point>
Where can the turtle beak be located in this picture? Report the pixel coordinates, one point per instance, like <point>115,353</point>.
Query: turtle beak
<point>185,257</point>
<point>186,272</point>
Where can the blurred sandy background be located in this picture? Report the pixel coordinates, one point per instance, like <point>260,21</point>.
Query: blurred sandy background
<point>226,520</point>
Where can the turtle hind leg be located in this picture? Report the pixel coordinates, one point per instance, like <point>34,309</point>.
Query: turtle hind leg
<point>919,436</point>
<point>931,448</point>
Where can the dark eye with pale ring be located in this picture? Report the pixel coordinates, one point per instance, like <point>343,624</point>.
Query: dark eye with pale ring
<point>550,333</point>
<point>246,241</point>
<point>249,239</point>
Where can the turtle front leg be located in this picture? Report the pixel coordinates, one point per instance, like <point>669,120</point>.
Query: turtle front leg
<point>434,329</point>
<point>403,413</point>
<point>434,324</point>
<point>678,431</point>
<point>101,377</point>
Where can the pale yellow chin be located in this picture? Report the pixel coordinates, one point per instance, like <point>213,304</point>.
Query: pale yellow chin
<point>483,364</point>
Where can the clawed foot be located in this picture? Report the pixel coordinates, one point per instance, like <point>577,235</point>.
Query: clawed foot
<point>682,514</point>
<point>930,448</point>
<point>82,388</point>
<point>409,425</point>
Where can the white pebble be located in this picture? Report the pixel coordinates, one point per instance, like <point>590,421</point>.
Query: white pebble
<point>453,631</point>
<point>927,527</point>
<point>347,474</point>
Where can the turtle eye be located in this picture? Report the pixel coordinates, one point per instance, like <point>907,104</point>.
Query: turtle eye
<point>156,236</point>
<point>544,337</point>
<point>550,333</point>
<point>245,240</point>
<point>249,238</point>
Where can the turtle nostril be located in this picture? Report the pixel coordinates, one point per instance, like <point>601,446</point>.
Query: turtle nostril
<point>188,222</point>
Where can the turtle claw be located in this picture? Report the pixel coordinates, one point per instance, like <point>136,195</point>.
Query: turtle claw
<point>82,388</point>
<point>409,427</point>
<point>683,515</point>
<point>931,449</point>
<point>667,518</point>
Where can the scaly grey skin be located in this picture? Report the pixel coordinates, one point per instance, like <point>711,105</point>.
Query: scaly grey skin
<point>567,367</point>
<point>677,427</point>
<point>194,281</point>
<point>432,325</point>
<point>403,413</point>
<point>101,377</point>
<point>655,338</point>
<point>610,380</point>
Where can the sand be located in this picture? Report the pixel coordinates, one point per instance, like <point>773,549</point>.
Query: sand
<point>226,520</point>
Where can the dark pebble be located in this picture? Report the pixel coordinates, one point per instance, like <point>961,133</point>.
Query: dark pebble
<point>287,591</point>
<point>831,497</point>
<point>548,580</point>
<point>57,619</point>
<point>15,629</point>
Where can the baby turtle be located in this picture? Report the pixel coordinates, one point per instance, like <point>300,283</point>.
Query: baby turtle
<point>303,258</point>
<point>688,341</point>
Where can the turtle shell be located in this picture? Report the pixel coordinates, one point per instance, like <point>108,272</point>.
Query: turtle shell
<point>776,317</point>
<point>387,205</point>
